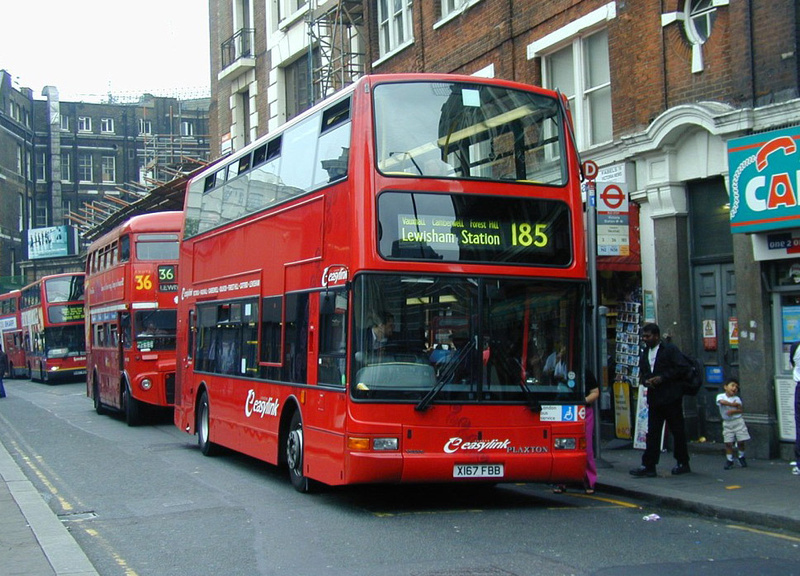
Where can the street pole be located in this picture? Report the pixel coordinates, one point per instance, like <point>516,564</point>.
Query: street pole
<point>595,360</point>
<point>591,249</point>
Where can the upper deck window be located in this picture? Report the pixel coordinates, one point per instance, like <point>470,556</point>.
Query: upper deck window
<point>64,289</point>
<point>459,130</point>
<point>307,155</point>
<point>157,247</point>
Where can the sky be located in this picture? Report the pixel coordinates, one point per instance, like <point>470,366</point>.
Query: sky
<point>88,48</point>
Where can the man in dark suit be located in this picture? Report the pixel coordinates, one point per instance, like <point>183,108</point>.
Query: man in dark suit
<point>662,369</point>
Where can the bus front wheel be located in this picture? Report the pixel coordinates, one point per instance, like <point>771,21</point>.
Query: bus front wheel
<point>207,447</point>
<point>295,455</point>
<point>130,405</point>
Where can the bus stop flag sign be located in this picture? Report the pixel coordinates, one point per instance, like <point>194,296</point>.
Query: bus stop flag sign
<point>613,238</point>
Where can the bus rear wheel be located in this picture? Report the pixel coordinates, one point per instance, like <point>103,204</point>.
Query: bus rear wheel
<point>203,426</point>
<point>98,405</point>
<point>295,455</point>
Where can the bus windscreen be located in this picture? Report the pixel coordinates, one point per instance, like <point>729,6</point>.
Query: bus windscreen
<point>460,130</point>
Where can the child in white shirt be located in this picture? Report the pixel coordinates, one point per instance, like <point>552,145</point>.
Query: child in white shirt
<point>734,430</point>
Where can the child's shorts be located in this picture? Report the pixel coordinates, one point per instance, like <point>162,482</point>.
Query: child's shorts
<point>734,430</point>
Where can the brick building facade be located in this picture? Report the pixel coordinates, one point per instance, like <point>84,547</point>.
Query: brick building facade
<point>657,89</point>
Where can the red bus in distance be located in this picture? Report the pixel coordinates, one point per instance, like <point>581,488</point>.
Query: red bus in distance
<point>11,330</point>
<point>131,289</point>
<point>52,327</point>
<point>378,291</point>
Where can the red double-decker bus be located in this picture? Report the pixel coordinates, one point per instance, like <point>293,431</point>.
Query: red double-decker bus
<point>11,330</point>
<point>392,288</point>
<point>52,327</point>
<point>131,289</point>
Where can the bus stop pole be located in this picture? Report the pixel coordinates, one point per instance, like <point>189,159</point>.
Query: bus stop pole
<point>597,344</point>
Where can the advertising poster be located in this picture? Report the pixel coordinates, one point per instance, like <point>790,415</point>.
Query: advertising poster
<point>640,431</point>
<point>784,397</point>
<point>622,410</point>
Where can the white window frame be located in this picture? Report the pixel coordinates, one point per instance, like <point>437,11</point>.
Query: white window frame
<point>84,123</point>
<point>145,127</point>
<point>109,169</point>
<point>41,166</point>
<point>292,9</point>
<point>21,215</point>
<point>389,24</point>
<point>82,167</point>
<point>107,125</point>
<point>187,128</point>
<point>451,9</point>
<point>575,34</point>
<point>691,13</point>
<point>64,122</point>
<point>66,167</point>
<point>66,206</point>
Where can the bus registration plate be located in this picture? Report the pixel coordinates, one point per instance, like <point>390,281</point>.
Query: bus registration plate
<point>478,471</point>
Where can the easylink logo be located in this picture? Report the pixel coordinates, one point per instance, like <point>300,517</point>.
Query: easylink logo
<point>456,443</point>
<point>268,407</point>
<point>335,275</point>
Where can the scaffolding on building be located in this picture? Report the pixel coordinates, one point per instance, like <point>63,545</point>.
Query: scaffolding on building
<point>97,214</point>
<point>336,30</point>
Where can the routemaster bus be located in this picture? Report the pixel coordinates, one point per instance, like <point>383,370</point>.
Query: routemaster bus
<point>52,327</point>
<point>131,289</point>
<point>379,291</point>
<point>11,331</point>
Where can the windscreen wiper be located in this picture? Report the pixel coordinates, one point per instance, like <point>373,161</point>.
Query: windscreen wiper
<point>533,402</point>
<point>428,398</point>
<point>445,377</point>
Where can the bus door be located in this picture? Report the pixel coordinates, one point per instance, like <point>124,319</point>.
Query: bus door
<point>328,410</point>
<point>332,338</point>
<point>123,338</point>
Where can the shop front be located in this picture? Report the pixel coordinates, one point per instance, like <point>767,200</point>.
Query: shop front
<point>765,206</point>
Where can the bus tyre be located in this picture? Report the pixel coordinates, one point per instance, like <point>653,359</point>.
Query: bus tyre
<point>294,455</point>
<point>98,405</point>
<point>207,447</point>
<point>131,406</point>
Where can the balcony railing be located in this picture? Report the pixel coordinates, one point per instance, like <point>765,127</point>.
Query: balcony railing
<point>240,45</point>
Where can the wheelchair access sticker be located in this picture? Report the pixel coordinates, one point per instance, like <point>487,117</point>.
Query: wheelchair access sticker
<point>563,414</point>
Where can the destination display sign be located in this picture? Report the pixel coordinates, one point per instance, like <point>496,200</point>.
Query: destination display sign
<point>66,313</point>
<point>167,278</point>
<point>469,228</point>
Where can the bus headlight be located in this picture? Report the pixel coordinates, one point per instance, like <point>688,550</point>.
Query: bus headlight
<point>378,444</point>
<point>147,383</point>
<point>564,444</point>
<point>385,444</point>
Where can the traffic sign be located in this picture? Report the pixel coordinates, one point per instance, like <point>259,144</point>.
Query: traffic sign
<point>590,169</point>
<point>612,199</point>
